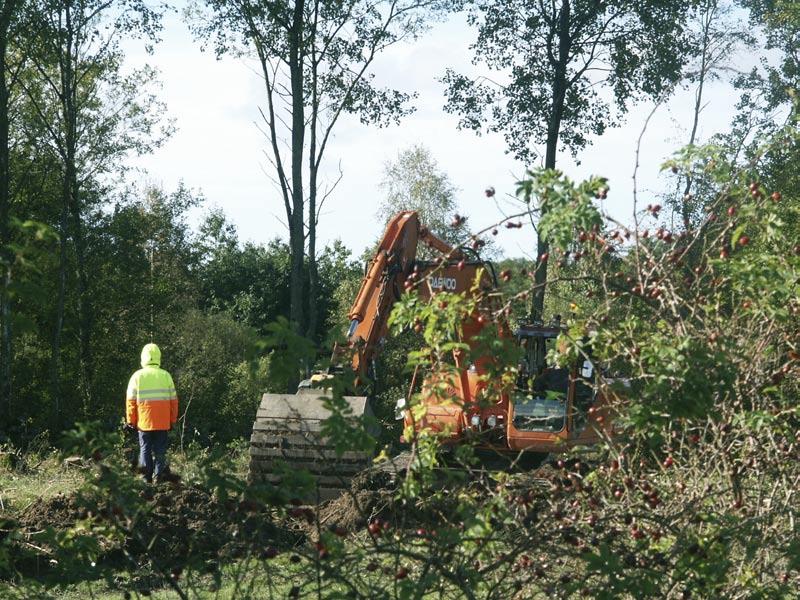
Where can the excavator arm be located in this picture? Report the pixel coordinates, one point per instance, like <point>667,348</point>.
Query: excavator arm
<point>385,277</point>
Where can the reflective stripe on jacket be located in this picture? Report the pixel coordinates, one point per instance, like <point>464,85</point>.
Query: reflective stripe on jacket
<point>151,400</point>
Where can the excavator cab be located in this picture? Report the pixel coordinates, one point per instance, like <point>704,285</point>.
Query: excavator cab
<point>550,406</point>
<point>540,398</point>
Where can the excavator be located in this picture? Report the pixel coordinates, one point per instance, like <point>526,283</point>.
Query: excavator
<point>546,410</point>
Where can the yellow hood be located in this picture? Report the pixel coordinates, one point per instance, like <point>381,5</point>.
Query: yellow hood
<point>151,356</point>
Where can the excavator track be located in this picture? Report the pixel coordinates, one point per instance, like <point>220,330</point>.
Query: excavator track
<point>287,437</point>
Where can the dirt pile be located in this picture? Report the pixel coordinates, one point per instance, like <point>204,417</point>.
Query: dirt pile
<point>175,525</point>
<point>371,495</point>
<point>58,512</point>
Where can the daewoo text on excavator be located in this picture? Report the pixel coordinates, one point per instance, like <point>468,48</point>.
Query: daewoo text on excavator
<point>548,409</point>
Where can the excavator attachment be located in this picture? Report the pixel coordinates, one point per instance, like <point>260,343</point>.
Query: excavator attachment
<point>287,436</point>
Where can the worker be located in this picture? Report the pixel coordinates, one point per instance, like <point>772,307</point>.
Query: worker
<point>152,408</point>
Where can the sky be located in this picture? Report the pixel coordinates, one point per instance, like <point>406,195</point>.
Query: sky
<point>218,149</point>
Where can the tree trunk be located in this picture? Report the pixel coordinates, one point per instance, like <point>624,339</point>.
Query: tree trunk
<point>313,277</point>
<point>84,301</point>
<point>72,198</point>
<point>313,162</point>
<point>58,325</point>
<point>6,345</point>
<point>553,129</point>
<point>708,18</point>
<point>296,228</point>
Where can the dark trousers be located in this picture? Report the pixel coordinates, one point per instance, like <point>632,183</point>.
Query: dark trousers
<point>153,453</point>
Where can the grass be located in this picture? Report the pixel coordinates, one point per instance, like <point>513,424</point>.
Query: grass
<point>240,580</point>
<point>36,476</point>
<point>45,474</point>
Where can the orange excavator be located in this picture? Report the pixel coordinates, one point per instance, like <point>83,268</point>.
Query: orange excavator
<point>546,410</point>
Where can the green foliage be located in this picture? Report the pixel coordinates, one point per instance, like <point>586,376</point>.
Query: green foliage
<point>218,379</point>
<point>693,333</point>
<point>552,87</point>
<point>566,208</point>
<point>31,241</point>
<point>290,355</point>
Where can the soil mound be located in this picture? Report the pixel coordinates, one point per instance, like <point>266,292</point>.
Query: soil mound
<point>371,496</point>
<point>175,525</point>
<point>58,512</point>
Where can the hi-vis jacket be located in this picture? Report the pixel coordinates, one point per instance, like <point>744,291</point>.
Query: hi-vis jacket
<point>151,401</point>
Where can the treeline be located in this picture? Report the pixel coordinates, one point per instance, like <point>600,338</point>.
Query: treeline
<point>203,296</point>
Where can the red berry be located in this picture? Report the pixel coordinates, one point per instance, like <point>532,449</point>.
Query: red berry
<point>776,196</point>
<point>374,528</point>
<point>668,462</point>
<point>744,240</point>
<point>322,551</point>
<point>402,573</point>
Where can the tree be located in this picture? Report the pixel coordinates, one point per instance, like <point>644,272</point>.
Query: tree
<point>554,56</point>
<point>315,60</point>
<point>718,36</point>
<point>10,11</point>
<point>93,116</point>
<point>413,181</point>
<point>143,266</point>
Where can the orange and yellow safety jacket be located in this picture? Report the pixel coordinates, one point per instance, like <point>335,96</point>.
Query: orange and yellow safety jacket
<point>151,401</point>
